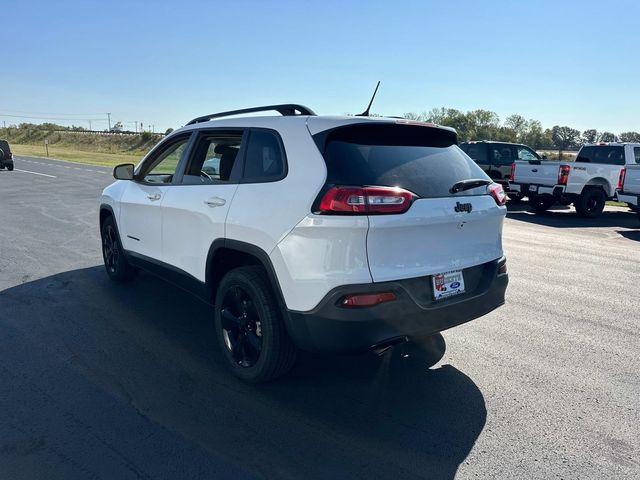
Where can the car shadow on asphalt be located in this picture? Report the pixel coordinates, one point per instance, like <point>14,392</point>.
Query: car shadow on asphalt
<point>561,216</point>
<point>401,414</point>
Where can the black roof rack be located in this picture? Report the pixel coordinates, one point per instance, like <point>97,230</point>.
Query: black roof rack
<point>287,109</point>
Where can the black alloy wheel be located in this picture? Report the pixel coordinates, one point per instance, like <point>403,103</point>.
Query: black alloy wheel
<point>241,326</point>
<point>110,249</point>
<point>250,326</point>
<point>117,266</point>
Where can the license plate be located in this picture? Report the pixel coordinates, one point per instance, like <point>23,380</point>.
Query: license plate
<point>533,188</point>
<point>447,284</point>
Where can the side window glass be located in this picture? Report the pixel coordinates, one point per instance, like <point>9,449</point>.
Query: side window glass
<point>164,167</point>
<point>502,154</point>
<point>214,158</point>
<point>526,154</point>
<point>477,152</point>
<point>265,160</point>
<point>636,154</point>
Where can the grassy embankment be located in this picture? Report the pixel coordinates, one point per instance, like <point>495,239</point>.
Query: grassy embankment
<point>95,149</point>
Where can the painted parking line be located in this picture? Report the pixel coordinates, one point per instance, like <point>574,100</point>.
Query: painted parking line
<point>35,173</point>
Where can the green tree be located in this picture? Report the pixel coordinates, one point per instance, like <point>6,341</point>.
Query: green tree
<point>590,136</point>
<point>607,137</point>
<point>632,137</point>
<point>564,137</point>
<point>533,135</point>
<point>519,125</point>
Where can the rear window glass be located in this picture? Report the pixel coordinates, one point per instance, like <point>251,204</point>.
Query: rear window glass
<point>607,154</point>
<point>423,160</point>
<point>477,151</point>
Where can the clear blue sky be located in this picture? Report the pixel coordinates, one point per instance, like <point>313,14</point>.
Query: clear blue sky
<point>569,63</point>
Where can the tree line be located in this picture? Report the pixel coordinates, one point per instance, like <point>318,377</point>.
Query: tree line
<point>486,125</point>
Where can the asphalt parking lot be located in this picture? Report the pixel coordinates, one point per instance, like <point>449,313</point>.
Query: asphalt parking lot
<point>99,380</point>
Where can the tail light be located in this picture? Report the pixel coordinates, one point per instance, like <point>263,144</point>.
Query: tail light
<point>498,194</point>
<point>364,200</point>
<point>623,174</point>
<point>563,174</point>
<point>367,299</point>
<point>512,175</point>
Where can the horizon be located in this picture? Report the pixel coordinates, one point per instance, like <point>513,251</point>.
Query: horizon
<point>499,57</point>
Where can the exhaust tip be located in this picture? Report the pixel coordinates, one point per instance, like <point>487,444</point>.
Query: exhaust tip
<point>383,347</point>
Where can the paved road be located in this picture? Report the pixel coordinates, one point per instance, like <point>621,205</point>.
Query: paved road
<point>106,381</point>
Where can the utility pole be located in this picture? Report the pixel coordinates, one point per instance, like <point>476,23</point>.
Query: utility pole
<point>109,120</point>
<point>89,125</point>
<point>153,128</point>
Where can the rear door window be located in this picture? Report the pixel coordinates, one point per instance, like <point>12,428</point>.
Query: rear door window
<point>214,158</point>
<point>477,151</point>
<point>502,154</point>
<point>423,160</point>
<point>636,154</point>
<point>604,154</point>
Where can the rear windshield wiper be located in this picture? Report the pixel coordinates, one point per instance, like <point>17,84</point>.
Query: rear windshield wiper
<point>468,184</point>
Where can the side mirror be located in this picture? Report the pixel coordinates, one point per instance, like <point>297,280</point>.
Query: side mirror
<point>544,157</point>
<point>123,171</point>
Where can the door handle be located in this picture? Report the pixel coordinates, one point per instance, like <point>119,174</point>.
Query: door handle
<point>534,170</point>
<point>215,202</point>
<point>154,197</point>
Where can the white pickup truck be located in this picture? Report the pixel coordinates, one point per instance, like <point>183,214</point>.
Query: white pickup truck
<point>629,184</point>
<point>586,183</point>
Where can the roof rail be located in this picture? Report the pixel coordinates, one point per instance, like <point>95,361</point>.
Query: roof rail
<point>287,109</point>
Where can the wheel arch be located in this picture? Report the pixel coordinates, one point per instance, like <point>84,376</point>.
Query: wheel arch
<point>226,254</point>
<point>106,211</point>
<point>599,182</point>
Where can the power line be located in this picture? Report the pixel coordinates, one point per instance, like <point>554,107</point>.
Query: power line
<point>51,113</point>
<point>48,118</point>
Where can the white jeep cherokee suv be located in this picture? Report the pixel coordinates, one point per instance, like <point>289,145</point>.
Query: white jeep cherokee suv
<point>339,234</point>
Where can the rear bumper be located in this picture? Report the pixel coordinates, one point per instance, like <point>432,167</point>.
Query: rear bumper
<point>414,313</point>
<point>628,198</point>
<point>533,189</point>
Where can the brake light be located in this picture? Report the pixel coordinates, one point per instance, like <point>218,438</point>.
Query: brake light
<point>512,175</point>
<point>367,299</point>
<point>623,174</point>
<point>364,200</point>
<point>563,174</point>
<point>498,194</point>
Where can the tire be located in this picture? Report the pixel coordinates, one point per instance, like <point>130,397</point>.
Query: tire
<point>541,203</point>
<point>1,167</point>
<point>633,207</point>
<point>116,264</point>
<point>591,202</point>
<point>250,327</point>
<point>10,167</point>
<point>515,196</point>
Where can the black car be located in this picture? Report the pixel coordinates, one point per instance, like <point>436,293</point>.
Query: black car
<point>6,157</point>
<point>496,158</point>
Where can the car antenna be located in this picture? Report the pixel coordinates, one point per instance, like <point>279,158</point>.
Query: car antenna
<point>366,112</point>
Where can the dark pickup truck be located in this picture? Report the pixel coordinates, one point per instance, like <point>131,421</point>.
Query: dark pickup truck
<point>6,157</point>
<point>496,158</point>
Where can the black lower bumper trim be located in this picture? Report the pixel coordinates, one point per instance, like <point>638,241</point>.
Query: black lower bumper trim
<point>414,314</point>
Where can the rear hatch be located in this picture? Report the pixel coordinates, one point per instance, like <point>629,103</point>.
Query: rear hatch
<point>536,172</point>
<point>440,231</point>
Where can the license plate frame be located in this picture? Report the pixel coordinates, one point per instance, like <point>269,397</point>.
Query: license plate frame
<point>447,284</point>
<point>533,188</point>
